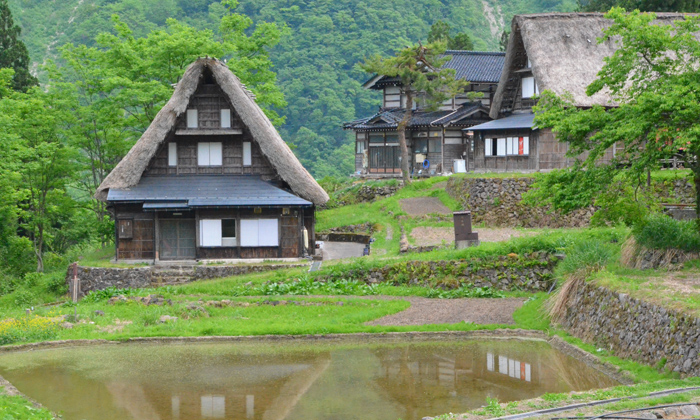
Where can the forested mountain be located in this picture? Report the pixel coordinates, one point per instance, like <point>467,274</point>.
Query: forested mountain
<point>315,60</point>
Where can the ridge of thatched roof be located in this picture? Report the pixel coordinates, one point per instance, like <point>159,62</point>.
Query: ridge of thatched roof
<point>564,52</point>
<point>129,171</point>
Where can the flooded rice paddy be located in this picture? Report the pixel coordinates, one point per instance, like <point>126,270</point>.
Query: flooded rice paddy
<point>275,380</point>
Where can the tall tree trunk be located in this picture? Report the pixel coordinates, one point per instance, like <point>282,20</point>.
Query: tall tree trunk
<point>39,251</point>
<point>401,131</point>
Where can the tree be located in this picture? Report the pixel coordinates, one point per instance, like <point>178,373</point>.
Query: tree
<point>419,69</point>
<point>440,32</point>
<point>13,52</point>
<point>686,6</point>
<point>37,161</point>
<point>503,42</point>
<point>654,80</point>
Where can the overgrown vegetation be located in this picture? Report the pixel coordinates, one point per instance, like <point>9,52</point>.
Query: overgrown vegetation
<point>15,408</point>
<point>658,231</point>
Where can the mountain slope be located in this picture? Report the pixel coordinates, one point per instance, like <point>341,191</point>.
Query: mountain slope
<point>315,62</point>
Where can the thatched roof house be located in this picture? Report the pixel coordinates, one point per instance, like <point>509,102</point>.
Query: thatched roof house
<point>129,171</point>
<point>563,53</point>
<point>211,178</point>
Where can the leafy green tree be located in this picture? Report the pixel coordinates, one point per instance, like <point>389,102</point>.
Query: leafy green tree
<point>686,6</point>
<point>440,32</point>
<point>13,52</point>
<point>38,163</point>
<point>503,43</point>
<point>653,78</point>
<point>419,69</point>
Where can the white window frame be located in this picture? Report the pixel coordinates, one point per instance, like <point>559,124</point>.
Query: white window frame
<point>501,151</point>
<point>172,154</point>
<point>210,154</point>
<point>210,232</point>
<point>488,147</point>
<point>529,87</point>
<point>259,232</point>
<point>247,153</point>
<point>360,147</point>
<point>229,240</point>
<point>192,118</point>
<point>225,118</point>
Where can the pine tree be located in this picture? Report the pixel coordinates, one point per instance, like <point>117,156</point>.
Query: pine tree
<point>13,52</point>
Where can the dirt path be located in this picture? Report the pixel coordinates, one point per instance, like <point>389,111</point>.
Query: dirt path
<point>451,311</point>
<point>428,236</point>
<point>420,206</point>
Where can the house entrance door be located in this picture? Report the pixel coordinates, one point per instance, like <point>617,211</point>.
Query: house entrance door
<point>177,239</point>
<point>384,159</point>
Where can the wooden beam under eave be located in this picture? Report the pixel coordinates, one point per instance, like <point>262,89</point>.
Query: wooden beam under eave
<point>209,131</point>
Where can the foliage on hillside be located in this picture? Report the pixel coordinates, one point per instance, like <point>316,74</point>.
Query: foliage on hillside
<point>315,62</point>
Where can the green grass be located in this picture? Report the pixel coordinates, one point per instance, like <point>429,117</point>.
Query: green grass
<point>17,407</point>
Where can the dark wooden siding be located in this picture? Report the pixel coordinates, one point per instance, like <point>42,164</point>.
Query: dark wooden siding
<point>209,100</point>
<point>141,246</point>
<point>527,163</point>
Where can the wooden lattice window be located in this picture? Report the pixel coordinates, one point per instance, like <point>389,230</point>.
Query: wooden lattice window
<point>126,228</point>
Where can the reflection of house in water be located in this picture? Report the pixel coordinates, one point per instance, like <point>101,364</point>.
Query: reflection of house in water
<point>268,392</point>
<point>511,367</point>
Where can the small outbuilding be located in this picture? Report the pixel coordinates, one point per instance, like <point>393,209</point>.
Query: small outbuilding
<point>211,178</point>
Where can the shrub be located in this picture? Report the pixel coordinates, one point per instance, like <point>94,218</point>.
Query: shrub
<point>586,255</point>
<point>24,297</point>
<point>28,328</point>
<point>659,231</point>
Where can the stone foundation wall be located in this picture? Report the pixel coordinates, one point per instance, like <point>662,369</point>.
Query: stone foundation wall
<point>498,202</point>
<point>532,272</point>
<point>635,329</point>
<point>99,278</point>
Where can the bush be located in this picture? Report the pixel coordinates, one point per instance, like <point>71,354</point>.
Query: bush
<point>587,254</point>
<point>659,231</point>
<point>24,297</point>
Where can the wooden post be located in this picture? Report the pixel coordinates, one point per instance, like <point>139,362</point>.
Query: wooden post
<point>75,284</point>
<point>156,238</point>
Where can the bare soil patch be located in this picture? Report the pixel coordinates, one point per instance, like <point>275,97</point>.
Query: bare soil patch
<point>686,283</point>
<point>425,311</point>
<point>420,206</point>
<point>429,236</point>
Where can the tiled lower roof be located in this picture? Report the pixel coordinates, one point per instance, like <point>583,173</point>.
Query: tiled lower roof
<point>392,117</point>
<point>205,191</point>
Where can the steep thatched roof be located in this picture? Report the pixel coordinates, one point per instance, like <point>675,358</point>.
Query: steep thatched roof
<point>128,172</point>
<point>564,53</point>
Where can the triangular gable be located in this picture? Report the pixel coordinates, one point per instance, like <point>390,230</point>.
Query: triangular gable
<point>129,171</point>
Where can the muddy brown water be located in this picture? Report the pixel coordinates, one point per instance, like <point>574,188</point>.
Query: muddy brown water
<point>292,380</point>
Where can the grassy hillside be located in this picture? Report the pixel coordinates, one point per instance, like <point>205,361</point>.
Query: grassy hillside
<point>315,61</point>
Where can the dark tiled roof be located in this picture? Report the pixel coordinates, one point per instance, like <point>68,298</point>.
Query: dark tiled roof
<point>472,66</point>
<point>419,119</point>
<point>513,121</point>
<point>206,190</point>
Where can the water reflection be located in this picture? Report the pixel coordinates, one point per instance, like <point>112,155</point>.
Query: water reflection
<point>246,381</point>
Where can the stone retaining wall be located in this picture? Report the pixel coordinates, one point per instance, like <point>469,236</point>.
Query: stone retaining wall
<point>100,278</point>
<point>498,202</point>
<point>532,272</point>
<point>635,329</point>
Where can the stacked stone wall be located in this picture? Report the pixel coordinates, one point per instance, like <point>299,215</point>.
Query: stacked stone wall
<point>533,272</point>
<point>498,202</point>
<point>635,329</point>
<point>100,278</point>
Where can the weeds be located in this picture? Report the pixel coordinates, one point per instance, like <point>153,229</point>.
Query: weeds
<point>28,328</point>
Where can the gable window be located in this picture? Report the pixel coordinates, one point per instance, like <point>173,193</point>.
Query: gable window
<point>529,87</point>
<point>225,118</point>
<point>172,154</point>
<point>217,232</point>
<point>209,154</point>
<point>259,232</point>
<point>192,118</point>
<point>247,154</point>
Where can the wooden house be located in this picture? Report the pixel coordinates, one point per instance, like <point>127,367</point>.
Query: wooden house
<point>211,178</point>
<point>550,51</point>
<point>435,139</point>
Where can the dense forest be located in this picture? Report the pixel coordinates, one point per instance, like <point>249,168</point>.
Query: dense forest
<point>315,59</point>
